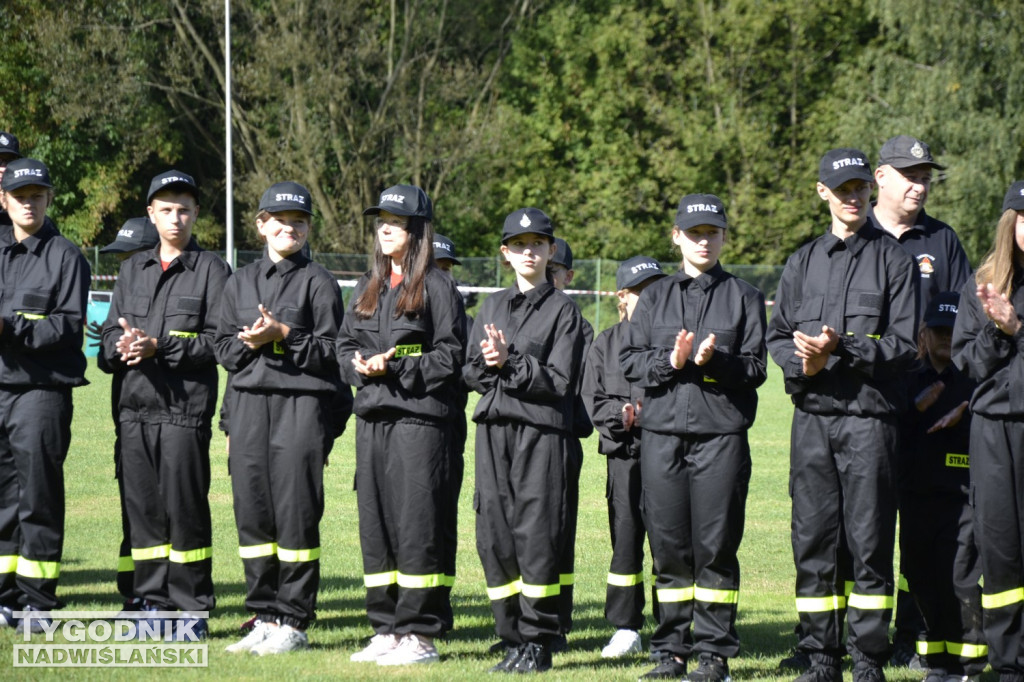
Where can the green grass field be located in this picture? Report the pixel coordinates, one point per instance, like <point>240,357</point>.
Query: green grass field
<point>766,615</point>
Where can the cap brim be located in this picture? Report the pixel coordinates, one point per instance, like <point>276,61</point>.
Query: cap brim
<point>280,208</point>
<point>184,186</point>
<point>116,248</point>
<point>902,164</point>
<point>642,277</point>
<point>840,178</point>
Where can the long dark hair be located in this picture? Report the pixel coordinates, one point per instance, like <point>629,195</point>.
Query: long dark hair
<point>417,261</point>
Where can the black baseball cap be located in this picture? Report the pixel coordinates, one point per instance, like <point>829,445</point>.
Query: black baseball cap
<point>844,164</point>
<point>134,235</point>
<point>563,254</point>
<point>445,248</point>
<point>405,200</point>
<point>904,151</point>
<point>526,221</point>
<point>700,209</point>
<point>637,270</point>
<point>1014,199</point>
<point>286,196</point>
<point>9,144</point>
<point>23,172</point>
<point>941,310</point>
<point>172,179</point>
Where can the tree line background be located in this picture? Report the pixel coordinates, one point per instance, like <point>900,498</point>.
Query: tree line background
<point>603,113</point>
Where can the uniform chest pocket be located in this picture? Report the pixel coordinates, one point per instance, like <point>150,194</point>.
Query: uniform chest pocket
<point>663,336</point>
<point>184,314</point>
<point>863,312</point>
<point>725,340</point>
<point>136,306</point>
<point>410,336</point>
<point>809,310</point>
<point>293,317</point>
<point>526,345</point>
<point>35,303</point>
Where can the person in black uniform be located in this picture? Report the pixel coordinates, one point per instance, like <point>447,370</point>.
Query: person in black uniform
<point>160,333</point>
<point>45,284</point>
<point>135,235</point>
<point>9,151</point>
<point>278,325</point>
<point>843,330</point>
<point>988,346</point>
<point>524,358</point>
<point>402,345</point>
<point>696,348</point>
<point>940,559</point>
<point>614,406</point>
<point>904,179</point>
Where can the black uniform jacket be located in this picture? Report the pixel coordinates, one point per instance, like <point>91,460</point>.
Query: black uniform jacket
<point>181,308</point>
<point>538,383</point>
<point>990,357</point>
<point>935,463</point>
<point>422,379</point>
<point>44,296</point>
<point>866,289</point>
<point>301,294</point>
<point>606,390</point>
<point>941,261</point>
<point>720,396</point>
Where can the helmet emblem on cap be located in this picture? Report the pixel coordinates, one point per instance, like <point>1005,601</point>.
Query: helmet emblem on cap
<point>917,151</point>
<point>525,221</point>
<point>4,140</point>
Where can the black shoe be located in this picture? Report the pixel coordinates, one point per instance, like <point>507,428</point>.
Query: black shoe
<point>32,622</point>
<point>936,675</point>
<point>668,668</point>
<point>512,654</point>
<point>559,644</point>
<point>821,673</point>
<point>902,654</point>
<point>865,671</point>
<point>799,660</point>
<point>533,658</point>
<point>710,668</point>
<point>501,646</point>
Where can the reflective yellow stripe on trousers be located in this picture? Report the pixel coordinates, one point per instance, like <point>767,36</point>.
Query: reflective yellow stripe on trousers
<point>1001,599</point>
<point>966,650</point>
<point>620,580</point>
<point>832,602</point>
<point>38,569</point>
<point>707,595</point>
<point>191,555</point>
<point>425,581</point>
<point>147,553</point>
<point>8,563</point>
<point>125,564</point>
<point>866,602</point>
<point>675,594</point>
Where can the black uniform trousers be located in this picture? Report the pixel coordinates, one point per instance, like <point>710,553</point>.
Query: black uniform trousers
<point>522,503</point>
<point>567,565</point>
<point>167,483</point>
<point>125,563</point>
<point>941,563</point>
<point>997,481</point>
<point>35,433</point>
<point>407,523</point>
<point>624,598</point>
<point>278,447</point>
<point>694,497</point>
<point>842,483</point>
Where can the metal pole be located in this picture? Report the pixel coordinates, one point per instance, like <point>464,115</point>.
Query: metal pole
<point>229,240</point>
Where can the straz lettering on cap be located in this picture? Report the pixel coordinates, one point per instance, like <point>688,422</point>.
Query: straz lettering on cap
<point>297,198</point>
<point>125,233</point>
<point>22,172</point>
<point>701,208</point>
<point>173,178</point>
<point>442,246</point>
<point>947,308</point>
<point>643,266</point>
<point>394,198</point>
<point>849,161</point>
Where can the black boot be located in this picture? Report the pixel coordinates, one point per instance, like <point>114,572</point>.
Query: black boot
<point>533,658</point>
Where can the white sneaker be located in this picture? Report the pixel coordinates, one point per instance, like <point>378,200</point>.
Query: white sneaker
<point>282,639</point>
<point>622,643</point>
<point>411,649</point>
<point>260,632</point>
<point>378,646</point>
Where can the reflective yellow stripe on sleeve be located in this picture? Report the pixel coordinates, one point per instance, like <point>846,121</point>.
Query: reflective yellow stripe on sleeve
<point>505,591</point>
<point>296,556</point>
<point>541,591</point>
<point>38,569</point>
<point>8,563</point>
<point>620,580</point>
<point>125,564</point>
<point>380,579</point>
<point>425,581</point>
<point>147,553</point>
<point>833,602</point>
<point>257,551</point>
<point>675,594</point>
<point>1001,599</point>
<point>191,555</point>
<point>710,596</point>
<point>967,650</point>
<point>925,648</point>
<point>866,602</point>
